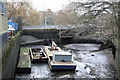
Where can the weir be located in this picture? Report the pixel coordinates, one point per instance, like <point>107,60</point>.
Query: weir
<point>54,34</point>
<point>10,61</point>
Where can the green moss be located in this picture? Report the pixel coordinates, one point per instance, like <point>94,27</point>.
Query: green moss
<point>15,38</point>
<point>24,49</point>
<point>11,44</point>
<point>24,60</point>
<point>5,55</point>
<point>24,64</point>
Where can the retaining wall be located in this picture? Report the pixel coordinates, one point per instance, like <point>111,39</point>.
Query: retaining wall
<point>42,33</point>
<point>9,60</point>
<point>54,34</point>
<point>117,59</point>
<point>4,44</point>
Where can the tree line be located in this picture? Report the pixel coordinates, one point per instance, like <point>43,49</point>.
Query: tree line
<point>95,17</point>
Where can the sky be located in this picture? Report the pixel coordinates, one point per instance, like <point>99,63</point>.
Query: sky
<point>54,5</point>
<point>41,5</point>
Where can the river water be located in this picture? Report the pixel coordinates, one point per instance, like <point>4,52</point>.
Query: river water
<point>89,64</point>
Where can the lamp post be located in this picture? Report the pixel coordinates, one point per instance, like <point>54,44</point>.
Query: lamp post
<point>46,20</point>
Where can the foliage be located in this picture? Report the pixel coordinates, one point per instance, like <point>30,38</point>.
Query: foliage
<point>101,15</point>
<point>66,18</point>
<point>23,10</point>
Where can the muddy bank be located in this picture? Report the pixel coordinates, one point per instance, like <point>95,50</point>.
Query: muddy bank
<point>89,64</point>
<point>100,64</point>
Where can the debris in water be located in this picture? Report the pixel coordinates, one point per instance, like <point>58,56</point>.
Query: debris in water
<point>82,67</point>
<point>92,54</point>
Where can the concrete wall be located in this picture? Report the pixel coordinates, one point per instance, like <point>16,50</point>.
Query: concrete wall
<point>54,34</point>
<point>4,44</point>
<point>10,59</point>
<point>42,33</point>
<point>117,59</point>
<point>85,40</point>
<point>3,31</point>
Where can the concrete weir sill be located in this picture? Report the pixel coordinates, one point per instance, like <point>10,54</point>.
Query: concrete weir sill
<point>9,59</point>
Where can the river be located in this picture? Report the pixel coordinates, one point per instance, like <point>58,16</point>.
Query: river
<point>89,64</point>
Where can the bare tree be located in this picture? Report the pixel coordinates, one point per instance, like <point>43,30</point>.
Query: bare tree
<point>102,14</point>
<point>29,16</point>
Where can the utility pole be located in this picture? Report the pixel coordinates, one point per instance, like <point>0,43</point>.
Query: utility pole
<point>46,20</point>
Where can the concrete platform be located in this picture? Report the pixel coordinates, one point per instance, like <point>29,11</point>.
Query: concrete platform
<point>24,64</point>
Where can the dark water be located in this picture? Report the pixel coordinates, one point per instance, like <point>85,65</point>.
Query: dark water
<point>89,64</point>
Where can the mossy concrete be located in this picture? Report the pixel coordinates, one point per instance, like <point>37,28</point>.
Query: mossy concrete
<point>9,60</point>
<point>43,34</point>
<point>4,44</point>
<point>24,58</point>
<point>117,60</point>
<point>54,34</point>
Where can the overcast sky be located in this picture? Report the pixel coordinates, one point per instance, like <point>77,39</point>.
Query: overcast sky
<point>54,5</point>
<point>40,5</point>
